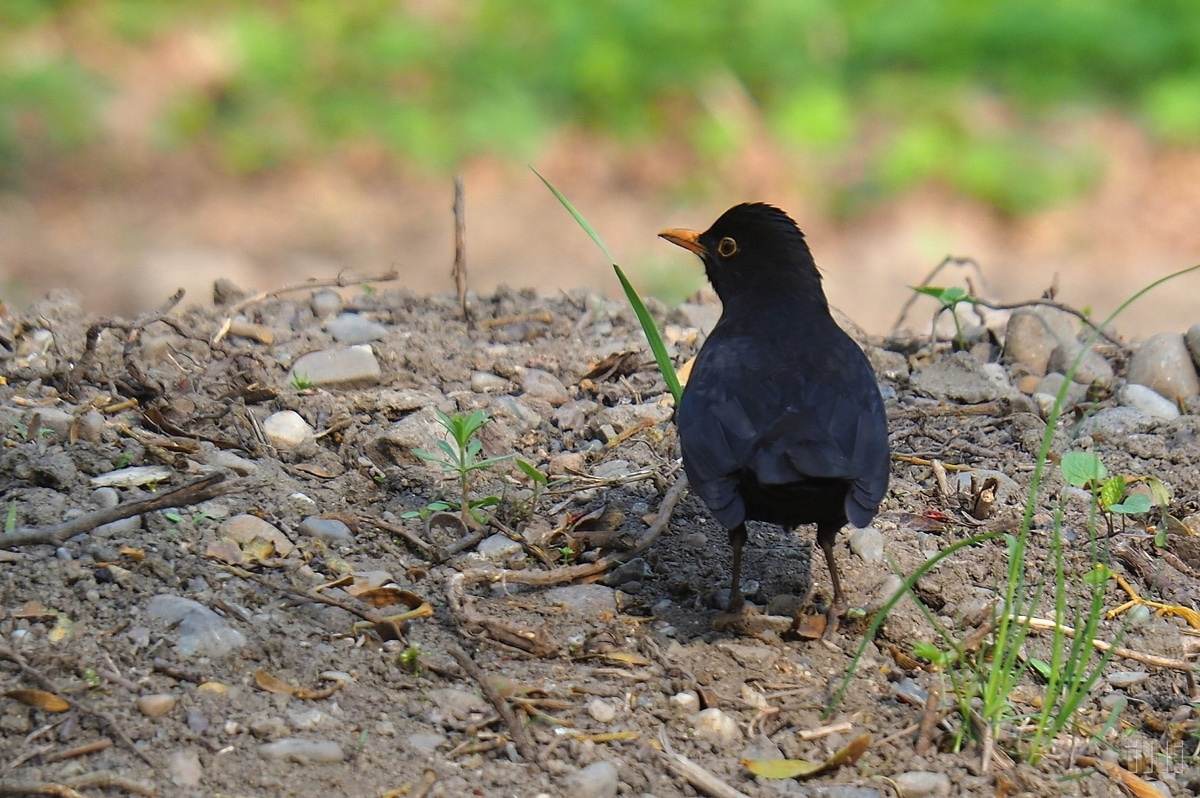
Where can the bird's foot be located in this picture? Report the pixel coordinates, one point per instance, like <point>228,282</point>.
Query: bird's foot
<point>833,617</point>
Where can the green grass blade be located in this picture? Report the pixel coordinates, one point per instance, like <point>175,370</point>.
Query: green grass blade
<point>652,337</point>
<point>587,228</point>
<point>649,328</point>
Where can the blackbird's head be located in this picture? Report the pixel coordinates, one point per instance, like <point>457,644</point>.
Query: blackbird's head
<point>752,246</point>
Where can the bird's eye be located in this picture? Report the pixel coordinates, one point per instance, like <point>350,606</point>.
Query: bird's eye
<point>727,247</point>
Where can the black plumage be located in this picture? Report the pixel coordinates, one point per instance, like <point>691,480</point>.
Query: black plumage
<point>781,420</point>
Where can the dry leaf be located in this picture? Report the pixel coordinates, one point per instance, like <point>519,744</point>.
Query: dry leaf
<point>35,611</point>
<point>624,658</point>
<point>316,471</point>
<point>131,553</point>
<point>793,768</point>
<point>39,699</point>
<point>1137,786</point>
<point>259,550</point>
<point>273,684</point>
<point>62,629</point>
<point>226,551</point>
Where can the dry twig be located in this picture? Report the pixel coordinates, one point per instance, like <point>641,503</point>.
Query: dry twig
<point>1154,660</point>
<point>337,282</point>
<point>460,248</point>
<point>520,739</point>
<point>693,774</point>
<point>194,492</point>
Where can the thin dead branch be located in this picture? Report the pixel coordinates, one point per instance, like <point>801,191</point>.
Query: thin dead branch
<point>194,492</point>
<point>133,332</point>
<point>520,739</point>
<point>693,774</point>
<point>460,248</point>
<point>1153,660</point>
<point>340,281</point>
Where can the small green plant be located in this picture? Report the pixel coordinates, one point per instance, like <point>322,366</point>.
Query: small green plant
<point>173,516</point>
<point>123,460</point>
<point>426,511</point>
<point>410,659</point>
<point>301,382</point>
<point>949,299</point>
<point>1113,494</point>
<point>460,457</point>
<point>537,477</point>
<point>567,553</point>
<point>10,519</point>
<point>983,681</point>
<point>649,328</point>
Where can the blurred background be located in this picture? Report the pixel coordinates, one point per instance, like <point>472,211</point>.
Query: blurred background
<point>147,144</point>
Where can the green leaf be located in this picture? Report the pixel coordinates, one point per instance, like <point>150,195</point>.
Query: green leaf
<point>1112,491</point>
<point>531,471</point>
<point>437,507</point>
<point>1160,494</point>
<point>1081,468</point>
<point>486,501</point>
<point>949,297</point>
<point>1136,504</point>
<point>173,516</point>
<point>10,519</point>
<point>929,652</point>
<point>411,514</point>
<point>587,228</point>
<point>428,456</point>
<point>1098,576</point>
<point>665,366</point>
<point>649,329</point>
<point>1041,666</point>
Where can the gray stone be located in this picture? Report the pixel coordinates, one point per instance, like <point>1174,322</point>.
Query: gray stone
<point>305,718</point>
<point>424,743</point>
<point>499,548</point>
<point>91,427</point>
<point>329,529</point>
<point>921,783</point>
<point>486,382</point>
<point>352,328</point>
<point>623,417</point>
<point>201,631</point>
<point>325,302</point>
<point>962,378</point>
<point>1032,335</point>
<point>612,469</point>
<point>286,429</point>
<point>543,385</point>
<point>1093,368</point>
<point>268,728</point>
<point>305,752</point>
<point>118,529</point>
<point>455,703</point>
<point>1192,339</point>
<point>419,430</point>
<point>222,458</point>
<point>51,418</point>
<point>1125,679</point>
<point>716,726</point>
<point>587,600</point>
<point>184,768</point>
<point>1112,424</point>
<point>1052,382</point>
<point>106,497</point>
<point>867,543</point>
<point>1149,402</point>
<point>1164,364</point>
<point>597,780</point>
<point>888,364</point>
<point>133,477</point>
<point>512,408</point>
<point>574,416</point>
<point>567,463</point>
<point>354,365</point>
<point>636,569</point>
<point>601,711</point>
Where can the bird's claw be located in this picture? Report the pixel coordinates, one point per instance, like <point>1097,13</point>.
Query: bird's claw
<point>833,618</point>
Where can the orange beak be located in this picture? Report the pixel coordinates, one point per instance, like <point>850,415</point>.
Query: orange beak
<point>688,239</point>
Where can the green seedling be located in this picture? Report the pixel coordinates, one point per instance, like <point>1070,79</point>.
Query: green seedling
<point>460,457</point>
<point>427,510</point>
<point>10,519</point>
<point>301,382</point>
<point>537,477</point>
<point>173,516</point>
<point>665,367</point>
<point>410,659</point>
<point>123,460</point>
<point>567,553</point>
<point>948,299</point>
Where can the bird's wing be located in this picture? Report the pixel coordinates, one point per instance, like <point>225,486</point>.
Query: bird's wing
<point>785,419</point>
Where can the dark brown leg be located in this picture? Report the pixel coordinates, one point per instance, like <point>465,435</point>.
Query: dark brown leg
<point>826,535</point>
<point>737,539</point>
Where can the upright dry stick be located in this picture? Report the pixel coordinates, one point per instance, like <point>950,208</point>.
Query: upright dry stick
<point>460,247</point>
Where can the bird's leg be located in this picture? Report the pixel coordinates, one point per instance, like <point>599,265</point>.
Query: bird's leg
<point>737,539</point>
<point>826,535</point>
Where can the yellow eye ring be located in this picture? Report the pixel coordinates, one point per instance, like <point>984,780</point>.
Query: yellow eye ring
<point>727,247</point>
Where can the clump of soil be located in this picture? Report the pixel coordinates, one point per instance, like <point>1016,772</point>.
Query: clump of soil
<point>297,631</point>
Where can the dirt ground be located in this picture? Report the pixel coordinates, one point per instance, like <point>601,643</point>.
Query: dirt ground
<point>239,646</point>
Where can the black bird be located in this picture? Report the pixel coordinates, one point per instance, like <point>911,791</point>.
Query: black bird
<point>781,420</point>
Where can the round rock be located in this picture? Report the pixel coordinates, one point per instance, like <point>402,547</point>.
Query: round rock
<point>329,529</point>
<point>156,705</point>
<point>597,780</point>
<point>286,429</point>
<point>1148,401</point>
<point>714,725</point>
<point>1164,364</point>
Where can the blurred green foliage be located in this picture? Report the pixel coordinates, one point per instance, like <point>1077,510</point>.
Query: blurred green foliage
<point>882,95</point>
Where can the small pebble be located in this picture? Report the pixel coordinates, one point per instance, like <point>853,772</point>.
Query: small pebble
<point>353,328</point>
<point>543,385</point>
<point>303,751</point>
<point>156,705</point>
<point>686,702</point>
<point>597,780</point>
<point>1148,401</point>
<point>922,783</point>
<point>867,543</point>
<point>329,529</point>
<point>184,767</point>
<point>325,303</point>
<point>286,429</point>
<point>486,382</point>
<point>716,726</point>
<point>601,711</point>
<point>423,743</point>
<point>1125,679</point>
